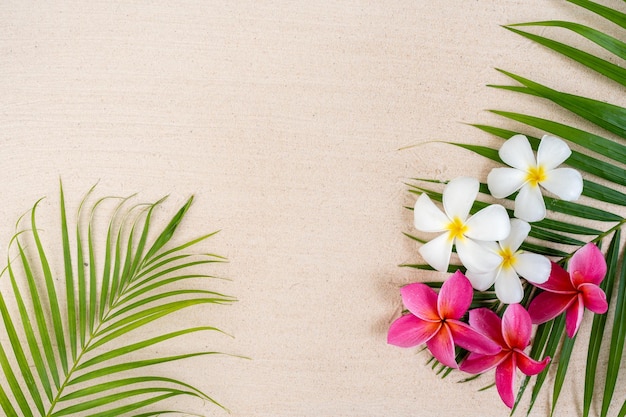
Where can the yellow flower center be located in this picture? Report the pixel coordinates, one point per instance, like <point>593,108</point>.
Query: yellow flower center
<point>457,228</point>
<point>535,175</point>
<point>508,257</point>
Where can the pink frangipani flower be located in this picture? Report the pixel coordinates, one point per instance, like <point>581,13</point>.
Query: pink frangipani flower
<point>434,319</point>
<point>572,291</point>
<point>512,333</point>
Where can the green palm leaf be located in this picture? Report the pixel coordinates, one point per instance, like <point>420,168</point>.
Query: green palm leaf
<point>59,345</point>
<point>613,15</point>
<point>607,116</point>
<point>609,43</point>
<point>608,69</point>
<point>571,225</point>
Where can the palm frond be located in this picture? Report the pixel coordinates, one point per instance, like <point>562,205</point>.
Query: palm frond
<point>609,43</point>
<point>69,345</point>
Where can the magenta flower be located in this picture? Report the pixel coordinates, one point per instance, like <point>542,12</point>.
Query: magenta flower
<point>572,291</point>
<point>435,320</point>
<point>512,333</point>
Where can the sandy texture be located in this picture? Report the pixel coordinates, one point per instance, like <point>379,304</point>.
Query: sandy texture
<point>285,120</point>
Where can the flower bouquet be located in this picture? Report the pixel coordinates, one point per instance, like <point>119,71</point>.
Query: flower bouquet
<point>528,242</point>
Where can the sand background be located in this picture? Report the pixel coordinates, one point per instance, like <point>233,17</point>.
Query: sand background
<point>285,120</point>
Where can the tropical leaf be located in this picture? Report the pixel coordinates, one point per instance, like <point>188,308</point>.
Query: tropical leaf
<point>618,338</point>
<point>599,322</point>
<point>608,69</point>
<point>568,226</point>
<point>609,43</point>
<point>68,331</point>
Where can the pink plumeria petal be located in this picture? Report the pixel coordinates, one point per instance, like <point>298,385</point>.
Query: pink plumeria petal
<point>587,265</point>
<point>548,305</point>
<point>533,267</point>
<point>421,300</point>
<point>428,217</point>
<point>558,282</point>
<point>508,286</point>
<point>476,363</point>
<point>409,331</point>
<point>455,297</point>
<point>594,298</point>
<point>528,365</point>
<point>552,152</point>
<point>476,257</point>
<point>505,378</point>
<point>441,345</point>
<point>471,340</point>
<point>529,204</point>
<point>490,224</point>
<point>565,183</point>
<point>516,152</point>
<point>503,182</point>
<point>574,316</point>
<point>459,196</point>
<point>437,252</point>
<point>519,232</point>
<point>516,327</point>
<point>488,323</point>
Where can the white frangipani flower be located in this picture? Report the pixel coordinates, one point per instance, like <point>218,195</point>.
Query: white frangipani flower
<point>528,174</point>
<point>513,263</point>
<point>489,224</point>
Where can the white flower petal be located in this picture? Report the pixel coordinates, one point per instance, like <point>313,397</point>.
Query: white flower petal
<point>519,232</point>
<point>475,257</point>
<point>516,152</point>
<point>508,286</point>
<point>566,183</point>
<point>533,267</point>
<point>529,204</point>
<point>428,217</point>
<point>552,152</point>
<point>490,246</point>
<point>503,182</point>
<point>491,223</point>
<point>481,281</point>
<point>437,252</point>
<point>458,197</point>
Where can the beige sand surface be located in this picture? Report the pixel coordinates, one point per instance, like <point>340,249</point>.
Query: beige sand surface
<point>285,120</point>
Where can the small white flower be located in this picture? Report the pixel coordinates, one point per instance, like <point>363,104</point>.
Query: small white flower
<point>527,175</point>
<point>489,224</point>
<point>513,263</point>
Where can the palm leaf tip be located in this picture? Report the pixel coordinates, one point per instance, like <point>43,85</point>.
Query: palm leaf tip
<point>108,290</point>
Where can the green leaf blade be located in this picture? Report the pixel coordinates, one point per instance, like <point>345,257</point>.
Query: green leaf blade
<point>605,115</point>
<point>40,320</point>
<point>613,15</point>
<point>57,321</point>
<point>618,338</point>
<point>611,44</point>
<point>69,283</point>
<point>18,351</point>
<point>564,357</point>
<point>599,321</point>
<point>605,68</point>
